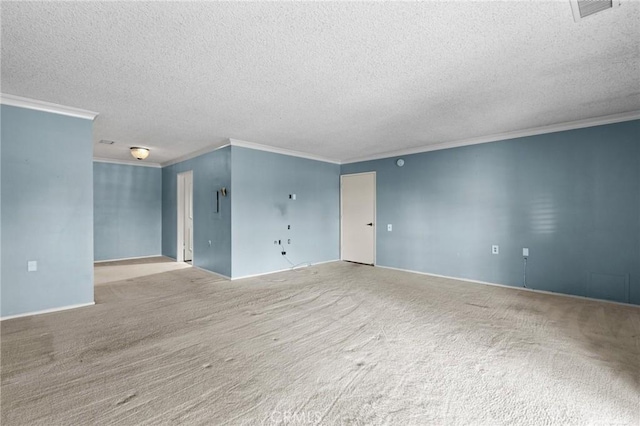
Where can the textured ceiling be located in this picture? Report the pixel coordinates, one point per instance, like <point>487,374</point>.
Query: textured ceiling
<point>337,80</point>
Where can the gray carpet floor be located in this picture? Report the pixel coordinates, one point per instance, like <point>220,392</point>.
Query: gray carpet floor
<point>336,344</point>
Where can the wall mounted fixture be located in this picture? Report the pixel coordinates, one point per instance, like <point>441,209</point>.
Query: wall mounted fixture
<point>400,162</point>
<point>139,153</point>
<point>583,8</point>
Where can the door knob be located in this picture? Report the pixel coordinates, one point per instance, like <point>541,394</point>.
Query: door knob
<point>370,224</point>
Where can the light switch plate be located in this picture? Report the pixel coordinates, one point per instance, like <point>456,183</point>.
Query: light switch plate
<point>32,266</point>
<point>389,227</point>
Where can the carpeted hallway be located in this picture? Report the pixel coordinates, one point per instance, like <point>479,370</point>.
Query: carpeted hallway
<point>336,344</point>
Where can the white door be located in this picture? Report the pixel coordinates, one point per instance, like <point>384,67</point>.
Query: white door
<point>188,216</point>
<point>358,205</point>
<point>185,217</point>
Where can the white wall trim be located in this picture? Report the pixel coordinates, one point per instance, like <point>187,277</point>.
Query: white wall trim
<point>260,274</point>
<point>194,154</point>
<point>48,311</point>
<point>211,272</point>
<point>572,125</point>
<point>325,261</point>
<point>128,258</point>
<point>281,270</point>
<point>19,101</point>
<point>250,145</point>
<point>126,162</point>
<point>283,151</point>
<point>533,290</point>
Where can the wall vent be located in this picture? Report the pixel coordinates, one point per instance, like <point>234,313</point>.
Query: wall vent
<point>583,8</point>
<point>106,142</point>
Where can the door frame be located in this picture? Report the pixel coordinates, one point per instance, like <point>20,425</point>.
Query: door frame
<point>375,213</point>
<point>181,195</point>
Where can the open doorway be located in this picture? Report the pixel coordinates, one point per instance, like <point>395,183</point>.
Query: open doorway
<point>184,252</point>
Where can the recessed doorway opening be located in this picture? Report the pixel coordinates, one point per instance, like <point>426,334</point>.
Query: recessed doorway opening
<point>184,251</point>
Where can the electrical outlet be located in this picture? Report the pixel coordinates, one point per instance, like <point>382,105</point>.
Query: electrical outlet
<point>495,249</point>
<point>209,243</point>
<point>279,241</point>
<point>275,242</point>
<point>525,252</point>
<point>292,196</point>
<point>32,266</point>
<point>283,253</point>
<point>289,241</point>
<point>288,226</point>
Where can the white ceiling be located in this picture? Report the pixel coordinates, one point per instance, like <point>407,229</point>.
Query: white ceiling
<point>337,80</point>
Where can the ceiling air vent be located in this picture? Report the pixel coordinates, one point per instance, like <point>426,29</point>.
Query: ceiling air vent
<point>106,142</point>
<point>583,8</point>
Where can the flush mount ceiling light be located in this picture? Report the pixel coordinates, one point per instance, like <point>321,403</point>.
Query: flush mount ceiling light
<point>139,153</point>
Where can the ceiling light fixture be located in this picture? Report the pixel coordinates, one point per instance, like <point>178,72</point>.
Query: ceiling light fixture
<point>139,153</point>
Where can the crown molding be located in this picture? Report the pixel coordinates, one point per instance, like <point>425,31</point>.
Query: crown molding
<point>137,163</point>
<point>259,147</point>
<point>250,145</point>
<point>19,101</point>
<point>573,125</point>
<point>561,127</point>
<point>194,154</point>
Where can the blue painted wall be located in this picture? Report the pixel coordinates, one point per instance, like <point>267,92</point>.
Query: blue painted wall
<point>127,202</point>
<point>211,172</point>
<point>262,182</point>
<point>47,210</point>
<point>572,198</point>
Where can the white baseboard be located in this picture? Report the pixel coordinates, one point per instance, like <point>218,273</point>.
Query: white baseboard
<point>211,272</point>
<point>533,290</point>
<point>281,270</point>
<point>129,258</point>
<point>326,261</point>
<point>48,311</point>
<point>259,275</point>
